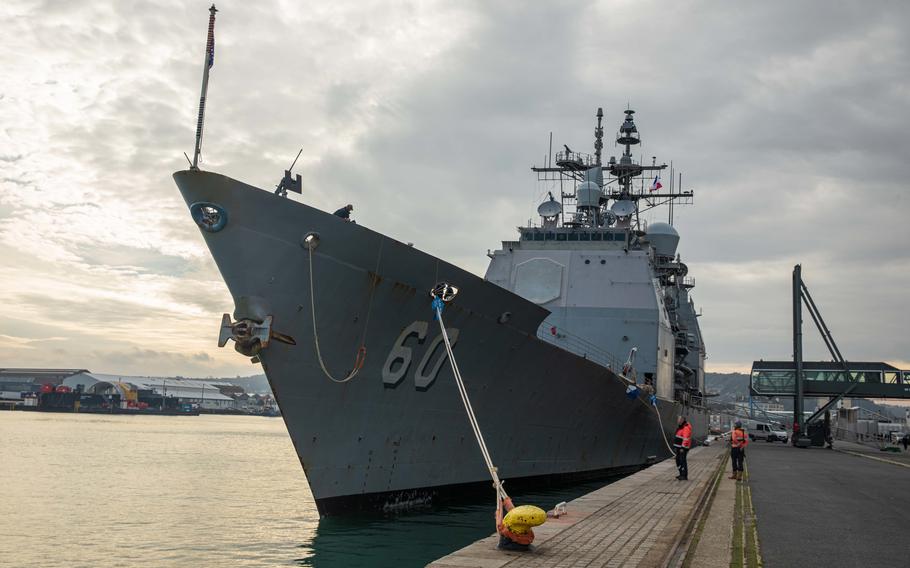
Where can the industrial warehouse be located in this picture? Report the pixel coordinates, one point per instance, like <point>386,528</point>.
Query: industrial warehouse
<point>80,390</point>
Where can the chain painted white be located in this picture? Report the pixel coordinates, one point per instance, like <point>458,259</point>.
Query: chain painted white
<point>356,368</point>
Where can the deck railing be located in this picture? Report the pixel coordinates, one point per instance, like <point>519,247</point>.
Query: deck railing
<point>581,347</point>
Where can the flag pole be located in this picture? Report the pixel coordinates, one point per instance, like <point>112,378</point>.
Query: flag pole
<point>209,61</point>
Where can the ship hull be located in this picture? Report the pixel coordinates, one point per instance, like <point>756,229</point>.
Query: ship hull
<point>397,434</point>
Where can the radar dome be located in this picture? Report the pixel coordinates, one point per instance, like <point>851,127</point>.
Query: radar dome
<point>663,238</point>
<point>588,194</point>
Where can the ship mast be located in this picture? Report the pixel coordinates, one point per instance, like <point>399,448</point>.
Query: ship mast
<point>627,168</point>
<point>598,136</point>
<point>209,62</point>
<point>590,194</point>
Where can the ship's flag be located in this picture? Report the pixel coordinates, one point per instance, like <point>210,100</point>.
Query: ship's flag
<point>210,44</point>
<point>656,185</point>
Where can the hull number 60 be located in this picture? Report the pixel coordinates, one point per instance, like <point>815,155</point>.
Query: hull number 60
<point>401,356</point>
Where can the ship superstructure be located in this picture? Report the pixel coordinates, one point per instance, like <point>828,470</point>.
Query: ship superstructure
<point>611,282</point>
<point>584,308</point>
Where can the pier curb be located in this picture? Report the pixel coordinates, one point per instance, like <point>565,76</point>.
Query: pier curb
<point>686,537</point>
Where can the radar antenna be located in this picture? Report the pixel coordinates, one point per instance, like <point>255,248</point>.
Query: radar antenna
<point>549,211</point>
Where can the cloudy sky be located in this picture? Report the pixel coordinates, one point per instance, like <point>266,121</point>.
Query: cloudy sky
<point>789,120</point>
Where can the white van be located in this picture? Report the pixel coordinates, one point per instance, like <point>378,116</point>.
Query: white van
<point>766,432</point>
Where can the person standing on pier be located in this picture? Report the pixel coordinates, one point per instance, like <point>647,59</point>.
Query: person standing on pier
<point>682,444</point>
<point>738,442</point>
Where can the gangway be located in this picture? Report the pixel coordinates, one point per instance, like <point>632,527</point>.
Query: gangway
<point>826,378</point>
<point>835,379</point>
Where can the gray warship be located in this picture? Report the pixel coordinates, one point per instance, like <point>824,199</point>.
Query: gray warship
<point>579,347</point>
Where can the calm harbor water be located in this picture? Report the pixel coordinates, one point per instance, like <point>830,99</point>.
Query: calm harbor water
<point>95,490</point>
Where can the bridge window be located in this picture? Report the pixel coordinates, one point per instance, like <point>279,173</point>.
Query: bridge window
<point>538,236</point>
<point>867,376</point>
<point>595,236</point>
<point>841,376</point>
<point>584,236</point>
<point>874,383</point>
<point>773,381</point>
<point>560,236</point>
<point>550,237</point>
<point>573,236</point>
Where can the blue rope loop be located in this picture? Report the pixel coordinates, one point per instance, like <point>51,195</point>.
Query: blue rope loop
<point>437,306</point>
<point>653,398</point>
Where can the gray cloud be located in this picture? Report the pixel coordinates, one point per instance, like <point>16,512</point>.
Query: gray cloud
<point>787,120</point>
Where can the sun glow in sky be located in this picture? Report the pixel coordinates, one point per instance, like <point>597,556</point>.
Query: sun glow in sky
<point>788,121</point>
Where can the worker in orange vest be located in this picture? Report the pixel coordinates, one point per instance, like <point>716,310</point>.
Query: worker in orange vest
<point>682,444</point>
<point>738,442</point>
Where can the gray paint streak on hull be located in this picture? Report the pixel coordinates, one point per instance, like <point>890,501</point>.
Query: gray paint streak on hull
<point>543,410</point>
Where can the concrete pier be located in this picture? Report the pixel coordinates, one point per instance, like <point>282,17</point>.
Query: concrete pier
<point>644,519</point>
<point>796,507</point>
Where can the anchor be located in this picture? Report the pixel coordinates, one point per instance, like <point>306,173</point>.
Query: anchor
<point>250,336</point>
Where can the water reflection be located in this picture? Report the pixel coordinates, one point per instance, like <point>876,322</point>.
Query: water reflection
<point>199,491</point>
<point>418,537</point>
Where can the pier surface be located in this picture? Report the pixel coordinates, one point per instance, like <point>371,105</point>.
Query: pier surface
<point>817,507</point>
<point>640,520</point>
<point>796,507</point>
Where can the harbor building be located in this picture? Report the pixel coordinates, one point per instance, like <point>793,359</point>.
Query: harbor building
<point>23,387</point>
<point>19,380</point>
<point>203,394</point>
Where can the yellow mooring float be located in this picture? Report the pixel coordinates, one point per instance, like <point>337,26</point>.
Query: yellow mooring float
<point>515,528</point>
<point>520,519</point>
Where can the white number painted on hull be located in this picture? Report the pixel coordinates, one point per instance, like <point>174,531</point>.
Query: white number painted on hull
<point>400,357</point>
<point>422,379</point>
<point>402,353</point>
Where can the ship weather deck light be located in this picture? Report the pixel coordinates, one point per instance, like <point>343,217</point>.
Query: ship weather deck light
<point>310,240</point>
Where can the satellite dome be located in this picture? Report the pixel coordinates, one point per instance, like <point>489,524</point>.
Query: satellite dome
<point>664,238</point>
